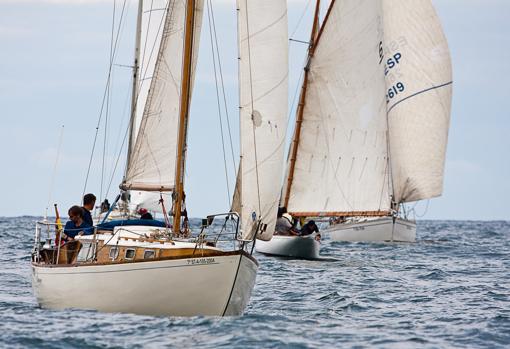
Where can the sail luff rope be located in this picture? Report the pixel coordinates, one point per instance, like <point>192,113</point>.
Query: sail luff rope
<point>108,80</point>
<point>209,5</point>
<point>252,107</point>
<point>391,184</point>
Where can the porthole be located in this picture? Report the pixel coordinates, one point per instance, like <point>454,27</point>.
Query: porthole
<point>130,253</point>
<point>114,253</point>
<point>148,254</point>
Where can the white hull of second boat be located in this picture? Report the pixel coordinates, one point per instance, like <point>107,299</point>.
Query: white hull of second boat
<point>305,247</point>
<point>383,229</point>
<point>216,285</point>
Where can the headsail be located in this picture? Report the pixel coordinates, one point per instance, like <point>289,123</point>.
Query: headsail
<point>341,164</point>
<point>263,75</point>
<point>419,88</point>
<point>152,22</point>
<point>152,162</point>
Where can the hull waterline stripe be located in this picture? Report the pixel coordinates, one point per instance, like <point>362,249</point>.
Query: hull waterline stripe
<point>418,93</point>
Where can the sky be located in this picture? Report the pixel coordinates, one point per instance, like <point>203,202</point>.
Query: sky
<point>54,58</point>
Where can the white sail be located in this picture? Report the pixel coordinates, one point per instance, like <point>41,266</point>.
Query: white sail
<point>151,30</point>
<point>341,164</point>
<point>419,88</point>
<point>152,162</point>
<point>263,75</point>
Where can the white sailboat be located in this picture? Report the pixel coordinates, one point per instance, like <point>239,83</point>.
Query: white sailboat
<point>145,269</point>
<point>372,126</point>
<point>294,246</point>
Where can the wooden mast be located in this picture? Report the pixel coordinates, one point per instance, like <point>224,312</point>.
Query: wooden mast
<point>184,113</point>
<point>301,105</point>
<point>136,78</point>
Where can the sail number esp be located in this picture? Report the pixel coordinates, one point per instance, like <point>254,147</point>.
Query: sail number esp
<point>389,64</point>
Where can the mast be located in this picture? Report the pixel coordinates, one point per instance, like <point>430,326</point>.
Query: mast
<point>184,113</point>
<point>134,91</point>
<point>302,97</point>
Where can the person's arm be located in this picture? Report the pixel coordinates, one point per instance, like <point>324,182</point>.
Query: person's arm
<point>87,230</point>
<point>69,234</point>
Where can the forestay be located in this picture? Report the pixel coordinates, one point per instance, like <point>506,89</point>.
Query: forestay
<point>263,75</point>
<point>419,89</point>
<point>342,160</point>
<point>152,162</point>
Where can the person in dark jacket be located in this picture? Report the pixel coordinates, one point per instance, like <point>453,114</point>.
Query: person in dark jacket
<point>309,228</point>
<point>76,224</point>
<point>89,201</point>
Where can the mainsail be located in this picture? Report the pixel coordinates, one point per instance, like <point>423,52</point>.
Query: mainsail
<point>341,164</point>
<point>263,79</point>
<point>151,165</point>
<point>376,111</point>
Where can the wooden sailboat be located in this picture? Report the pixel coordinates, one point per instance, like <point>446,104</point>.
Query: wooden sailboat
<point>146,269</point>
<point>372,125</point>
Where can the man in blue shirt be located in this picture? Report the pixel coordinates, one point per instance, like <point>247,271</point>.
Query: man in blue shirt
<point>76,225</point>
<point>89,201</point>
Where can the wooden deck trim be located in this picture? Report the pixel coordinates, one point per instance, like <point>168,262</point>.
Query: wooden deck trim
<point>195,255</point>
<point>342,213</point>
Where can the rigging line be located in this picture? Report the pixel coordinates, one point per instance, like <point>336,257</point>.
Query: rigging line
<point>209,6</point>
<point>54,170</point>
<point>252,106</point>
<point>223,90</point>
<point>114,169</point>
<point>424,212</point>
<point>300,41</point>
<point>143,76</point>
<point>147,36</point>
<point>117,161</point>
<point>301,18</point>
<point>381,197</point>
<point>296,92</point>
<point>103,101</point>
<point>108,105</point>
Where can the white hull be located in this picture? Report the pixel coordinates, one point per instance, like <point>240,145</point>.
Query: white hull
<point>290,246</point>
<point>380,229</point>
<point>216,285</point>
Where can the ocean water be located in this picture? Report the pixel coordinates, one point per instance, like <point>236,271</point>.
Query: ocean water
<point>450,289</point>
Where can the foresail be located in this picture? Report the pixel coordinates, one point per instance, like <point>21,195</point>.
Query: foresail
<point>152,162</point>
<point>419,90</point>
<point>263,75</point>
<point>341,161</point>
